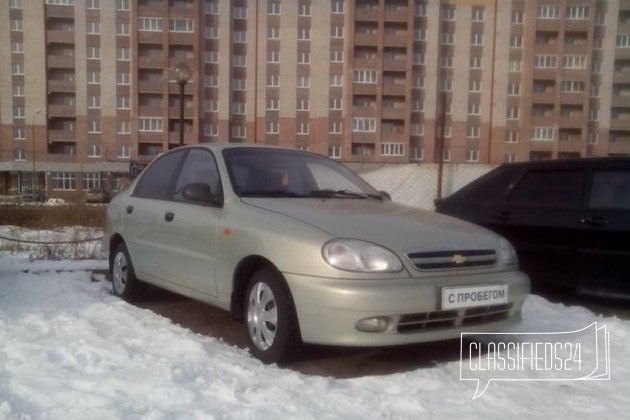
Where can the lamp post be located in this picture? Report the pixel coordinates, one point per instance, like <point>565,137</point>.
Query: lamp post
<point>182,76</point>
<point>37,112</point>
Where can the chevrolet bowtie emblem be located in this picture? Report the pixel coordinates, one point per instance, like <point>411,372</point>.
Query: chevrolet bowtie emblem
<point>458,259</point>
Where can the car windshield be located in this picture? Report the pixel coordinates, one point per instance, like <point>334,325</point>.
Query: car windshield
<point>261,172</point>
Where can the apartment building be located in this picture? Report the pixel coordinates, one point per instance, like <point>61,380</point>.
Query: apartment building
<point>88,86</point>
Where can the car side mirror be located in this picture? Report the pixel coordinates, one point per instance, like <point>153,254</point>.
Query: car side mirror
<point>386,196</point>
<point>200,193</point>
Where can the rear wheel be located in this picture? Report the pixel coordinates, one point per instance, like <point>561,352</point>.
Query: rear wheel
<point>271,323</point>
<point>124,281</point>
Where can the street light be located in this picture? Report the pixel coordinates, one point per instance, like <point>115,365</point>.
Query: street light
<point>182,76</point>
<point>37,112</point>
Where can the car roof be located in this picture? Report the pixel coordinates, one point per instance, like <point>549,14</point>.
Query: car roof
<point>569,163</point>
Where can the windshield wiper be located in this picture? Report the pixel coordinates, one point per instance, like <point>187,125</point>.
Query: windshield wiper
<point>274,193</point>
<point>328,193</point>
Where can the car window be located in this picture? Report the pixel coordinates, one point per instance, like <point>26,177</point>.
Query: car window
<point>610,189</point>
<point>557,189</point>
<point>198,168</point>
<point>492,186</point>
<point>157,179</point>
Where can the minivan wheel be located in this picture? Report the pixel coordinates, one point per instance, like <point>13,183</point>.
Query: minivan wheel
<point>124,281</point>
<point>271,323</point>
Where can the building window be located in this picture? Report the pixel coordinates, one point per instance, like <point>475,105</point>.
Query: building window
<point>238,37</point>
<point>64,181</point>
<point>123,102</point>
<point>211,32</point>
<point>240,13</point>
<point>417,129</point>
<point>517,17</point>
<point>123,127</point>
<point>273,8</point>
<point>93,28</point>
<point>594,90</point>
<point>304,34</point>
<point>392,149</point>
<point>16,25</point>
<point>94,53</point>
<point>474,85</point>
<point>514,89</point>
<point>93,77</point>
<point>334,152</point>
<point>448,13</point>
<point>516,41</point>
<point>545,61</point>
<point>122,4</point>
<point>446,154</point>
<point>238,108</point>
<point>417,105</point>
<point>303,105</point>
<point>336,56</point>
<point>93,4</point>
<point>511,136</point>
<point>19,155</point>
<point>473,132</point>
<point>212,7</point>
<point>273,32</point>
<point>211,57</point>
<point>472,155</point>
<point>123,151</point>
<point>474,108</point>
<point>542,133</point>
<point>446,85</point>
<point>623,41</point>
<point>239,84</point>
<point>150,24</point>
<point>476,38</point>
<point>448,38</point>
<point>239,60</point>
<point>336,31</point>
<point>417,153</point>
<point>303,128</point>
<point>18,133</point>
<point>510,158</point>
<point>419,35</point>
<point>304,81</point>
<point>18,91</point>
<point>273,80</point>
<point>181,25</point>
<point>150,124</point>
<point>335,104</point>
<point>334,127</point>
<point>577,12</point>
<point>210,81</point>
<point>122,78</point>
<point>272,127</point>
<point>574,61</point>
<point>272,104</point>
<point>420,9</point>
<point>548,12</point>
<point>365,76</point>
<point>515,65</point>
<point>92,180</point>
<point>123,54</point>
<point>336,80</point>
<point>418,82</point>
<point>512,113</point>
<point>477,14</point>
<point>238,131</point>
<point>364,125</point>
<point>273,56</point>
<point>94,126</point>
<point>15,4</point>
<point>593,137</point>
<point>572,86</point>
<point>17,47</point>
<point>94,150</point>
<point>18,112</point>
<point>475,62</point>
<point>304,8</point>
<point>210,130</point>
<point>93,102</point>
<point>61,2</point>
<point>418,58</point>
<point>304,57</point>
<point>210,105</point>
<point>337,6</point>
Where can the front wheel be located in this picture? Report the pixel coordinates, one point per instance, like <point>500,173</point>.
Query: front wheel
<point>124,281</point>
<point>271,322</point>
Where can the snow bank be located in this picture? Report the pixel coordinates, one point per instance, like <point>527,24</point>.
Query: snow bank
<point>71,350</point>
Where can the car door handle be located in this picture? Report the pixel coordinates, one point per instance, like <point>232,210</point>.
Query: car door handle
<point>504,216</point>
<point>594,221</point>
<point>169,216</point>
<point>129,209</point>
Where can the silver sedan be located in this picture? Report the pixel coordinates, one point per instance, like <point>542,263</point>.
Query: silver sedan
<point>303,250</point>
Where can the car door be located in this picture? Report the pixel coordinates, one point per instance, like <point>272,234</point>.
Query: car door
<point>190,225</point>
<point>604,250</point>
<point>540,217</point>
<point>144,213</point>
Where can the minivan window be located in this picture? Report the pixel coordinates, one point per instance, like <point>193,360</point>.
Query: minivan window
<point>610,189</point>
<point>157,179</point>
<point>556,189</point>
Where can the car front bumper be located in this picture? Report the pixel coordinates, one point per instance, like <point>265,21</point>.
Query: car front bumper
<point>328,309</point>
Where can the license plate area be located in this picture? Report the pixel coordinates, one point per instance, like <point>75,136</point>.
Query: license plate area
<point>474,296</point>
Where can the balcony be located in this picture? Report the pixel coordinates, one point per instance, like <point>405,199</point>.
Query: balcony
<point>547,24</point>
<point>622,53</point>
<point>173,137</point>
<point>395,89</point>
<point>364,88</point>
<point>577,25</point>
<point>61,85</point>
<point>573,98</point>
<point>394,136</point>
<point>150,62</point>
<point>150,111</point>
<point>365,63</point>
<point>622,76</point>
<point>62,135</point>
<point>149,86</point>
<point>56,11</point>
<point>173,112</point>
<point>398,14</point>
<point>181,38</point>
<point>395,40</point>
<point>150,37</point>
<point>544,97</point>
<point>150,136</point>
<point>366,14</point>
<point>61,110</point>
<point>366,39</point>
<point>395,113</point>
<point>545,73</point>
<point>364,112</point>
<point>60,61</point>
<point>575,121</point>
<point>620,124</point>
<point>621,101</point>
<point>392,64</point>
<point>59,36</point>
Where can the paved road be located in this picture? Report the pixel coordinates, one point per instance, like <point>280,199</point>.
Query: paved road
<point>342,362</point>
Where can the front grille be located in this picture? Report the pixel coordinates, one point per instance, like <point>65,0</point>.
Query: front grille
<point>447,319</point>
<point>440,260</point>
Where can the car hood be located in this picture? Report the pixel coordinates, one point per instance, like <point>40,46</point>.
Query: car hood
<point>395,226</point>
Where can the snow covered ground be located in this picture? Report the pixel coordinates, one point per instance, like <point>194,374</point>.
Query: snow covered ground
<point>71,350</point>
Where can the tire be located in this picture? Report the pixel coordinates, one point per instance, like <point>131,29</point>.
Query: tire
<point>124,281</point>
<point>270,321</point>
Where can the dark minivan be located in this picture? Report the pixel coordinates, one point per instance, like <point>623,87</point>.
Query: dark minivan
<point>569,220</point>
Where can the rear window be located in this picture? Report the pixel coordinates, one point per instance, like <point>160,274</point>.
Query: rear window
<point>557,189</point>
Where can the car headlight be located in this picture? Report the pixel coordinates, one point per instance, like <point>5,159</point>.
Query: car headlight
<point>361,256</point>
<point>507,254</point>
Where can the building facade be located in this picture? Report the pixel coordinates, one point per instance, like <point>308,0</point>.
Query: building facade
<point>87,86</point>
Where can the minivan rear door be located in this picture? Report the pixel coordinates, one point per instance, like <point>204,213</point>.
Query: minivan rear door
<point>604,251</point>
